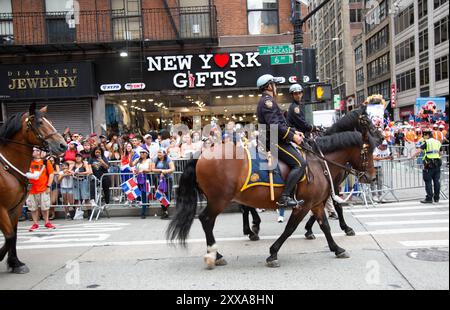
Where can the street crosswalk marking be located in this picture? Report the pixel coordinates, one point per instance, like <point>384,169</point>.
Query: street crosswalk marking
<point>442,203</point>
<point>400,214</point>
<point>416,222</point>
<point>425,243</point>
<point>397,209</point>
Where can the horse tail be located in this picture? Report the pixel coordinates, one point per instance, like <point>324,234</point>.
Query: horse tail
<point>186,205</point>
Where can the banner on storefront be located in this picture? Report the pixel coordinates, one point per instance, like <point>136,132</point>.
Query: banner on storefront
<point>47,81</point>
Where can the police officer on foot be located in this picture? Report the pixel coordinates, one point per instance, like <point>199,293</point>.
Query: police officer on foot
<point>269,113</point>
<point>431,166</point>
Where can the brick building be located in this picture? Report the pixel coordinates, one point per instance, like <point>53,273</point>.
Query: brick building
<point>140,64</point>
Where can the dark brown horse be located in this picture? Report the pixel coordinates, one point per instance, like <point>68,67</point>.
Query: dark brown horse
<point>18,136</point>
<point>220,180</point>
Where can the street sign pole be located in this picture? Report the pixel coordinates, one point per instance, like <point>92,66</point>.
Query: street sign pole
<point>298,41</point>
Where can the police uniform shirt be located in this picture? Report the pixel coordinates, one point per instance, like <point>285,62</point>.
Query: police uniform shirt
<point>268,112</point>
<point>296,118</point>
<point>423,146</point>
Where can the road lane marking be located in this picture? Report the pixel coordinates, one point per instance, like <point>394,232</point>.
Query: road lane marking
<point>400,214</point>
<point>416,222</point>
<point>425,243</point>
<point>202,240</point>
<point>397,209</point>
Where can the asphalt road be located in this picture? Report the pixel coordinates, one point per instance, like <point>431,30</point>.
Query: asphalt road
<point>397,246</point>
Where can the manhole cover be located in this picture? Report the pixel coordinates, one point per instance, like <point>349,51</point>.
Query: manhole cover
<point>431,255</point>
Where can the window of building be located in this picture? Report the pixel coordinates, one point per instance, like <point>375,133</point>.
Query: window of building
<point>441,68</point>
<point>378,41</point>
<point>359,54</point>
<point>360,97</point>
<point>438,3</point>
<point>126,18</point>
<point>406,80</point>
<point>378,67</point>
<point>424,74</point>
<point>375,16</point>
<point>382,88</point>
<point>58,29</point>
<point>404,50</point>
<point>423,8</point>
<point>262,16</point>
<point>423,40</point>
<point>441,31</point>
<point>6,22</point>
<point>405,19</point>
<point>360,76</point>
<point>355,15</point>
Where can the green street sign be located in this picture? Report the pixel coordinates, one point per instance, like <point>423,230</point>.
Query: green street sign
<point>337,102</point>
<point>276,49</point>
<point>282,60</point>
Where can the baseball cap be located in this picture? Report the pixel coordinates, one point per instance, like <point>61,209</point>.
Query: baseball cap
<point>384,142</point>
<point>148,136</point>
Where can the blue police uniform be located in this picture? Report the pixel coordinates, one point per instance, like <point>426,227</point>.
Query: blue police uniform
<point>269,113</point>
<point>296,118</point>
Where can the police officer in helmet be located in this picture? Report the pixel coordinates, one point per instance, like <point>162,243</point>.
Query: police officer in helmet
<point>269,113</point>
<point>296,115</point>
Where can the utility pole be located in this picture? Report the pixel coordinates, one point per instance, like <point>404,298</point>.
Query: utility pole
<point>298,41</point>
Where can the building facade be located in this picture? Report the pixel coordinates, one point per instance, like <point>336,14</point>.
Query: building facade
<point>120,65</point>
<point>339,22</point>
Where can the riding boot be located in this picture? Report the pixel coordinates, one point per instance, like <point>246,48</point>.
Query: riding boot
<point>286,200</point>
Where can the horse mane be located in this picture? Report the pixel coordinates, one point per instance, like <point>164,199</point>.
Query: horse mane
<point>342,140</point>
<point>347,123</point>
<point>11,126</point>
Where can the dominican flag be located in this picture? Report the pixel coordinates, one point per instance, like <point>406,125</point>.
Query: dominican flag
<point>125,168</point>
<point>131,189</point>
<point>148,189</point>
<point>162,198</point>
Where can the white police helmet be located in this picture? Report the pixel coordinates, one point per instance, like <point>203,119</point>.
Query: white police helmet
<point>295,88</point>
<point>265,79</point>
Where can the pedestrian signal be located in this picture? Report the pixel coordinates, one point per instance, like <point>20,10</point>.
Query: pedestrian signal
<point>322,93</point>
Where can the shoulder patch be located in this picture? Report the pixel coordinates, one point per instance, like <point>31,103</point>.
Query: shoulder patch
<point>297,110</point>
<point>269,104</point>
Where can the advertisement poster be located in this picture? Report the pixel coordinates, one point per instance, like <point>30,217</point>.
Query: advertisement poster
<point>430,110</point>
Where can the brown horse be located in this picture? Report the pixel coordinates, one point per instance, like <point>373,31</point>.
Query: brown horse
<point>221,180</point>
<point>18,136</point>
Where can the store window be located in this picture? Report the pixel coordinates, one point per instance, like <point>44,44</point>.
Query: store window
<point>262,16</point>
<point>126,18</point>
<point>58,29</point>
<point>6,22</point>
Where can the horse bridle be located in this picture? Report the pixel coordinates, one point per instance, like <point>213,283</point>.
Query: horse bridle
<point>43,139</point>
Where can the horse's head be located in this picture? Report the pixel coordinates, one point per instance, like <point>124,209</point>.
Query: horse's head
<point>39,131</point>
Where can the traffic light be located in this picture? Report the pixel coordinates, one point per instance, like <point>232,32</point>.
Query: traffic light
<point>321,93</point>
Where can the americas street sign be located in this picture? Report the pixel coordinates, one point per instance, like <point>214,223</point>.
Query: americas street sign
<point>282,59</point>
<point>276,49</point>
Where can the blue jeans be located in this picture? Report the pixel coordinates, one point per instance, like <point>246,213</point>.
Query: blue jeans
<point>281,211</point>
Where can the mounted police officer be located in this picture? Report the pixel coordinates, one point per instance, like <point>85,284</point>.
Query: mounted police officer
<point>269,113</point>
<point>431,166</point>
<point>296,114</point>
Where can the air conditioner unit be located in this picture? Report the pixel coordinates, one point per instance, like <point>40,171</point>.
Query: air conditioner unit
<point>196,29</point>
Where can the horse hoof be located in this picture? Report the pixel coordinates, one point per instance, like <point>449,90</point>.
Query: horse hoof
<point>253,237</point>
<point>221,262</point>
<point>310,236</point>
<point>255,229</point>
<point>273,264</point>
<point>210,261</point>
<point>350,232</point>
<point>342,255</point>
<point>19,270</point>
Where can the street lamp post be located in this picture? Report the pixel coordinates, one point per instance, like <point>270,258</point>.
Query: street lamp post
<point>298,41</point>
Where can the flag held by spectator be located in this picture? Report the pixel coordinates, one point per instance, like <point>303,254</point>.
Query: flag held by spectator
<point>162,198</point>
<point>131,189</point>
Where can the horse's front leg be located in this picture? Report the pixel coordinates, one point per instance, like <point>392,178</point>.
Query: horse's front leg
<point>14,264</point>
<point>7,228</point>
<point>309,225</point>
<point>296,217</point>
<point>213,257</point>
<point>347,229</point>
<point>319,213</point>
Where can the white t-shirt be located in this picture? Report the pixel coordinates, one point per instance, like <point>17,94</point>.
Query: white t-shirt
<point>379,153</point>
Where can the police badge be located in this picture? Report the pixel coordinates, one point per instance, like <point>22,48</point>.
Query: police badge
<point>297,110</point>
<point>269,104</point>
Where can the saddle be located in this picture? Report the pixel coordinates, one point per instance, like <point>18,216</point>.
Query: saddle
<point>260,177</point>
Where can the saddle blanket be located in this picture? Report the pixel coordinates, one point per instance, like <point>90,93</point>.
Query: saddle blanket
<point>257,177</point>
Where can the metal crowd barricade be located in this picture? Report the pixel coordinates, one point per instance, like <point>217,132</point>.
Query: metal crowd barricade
<point>76,192</point>
<point>398,175</point>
